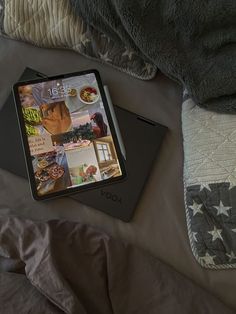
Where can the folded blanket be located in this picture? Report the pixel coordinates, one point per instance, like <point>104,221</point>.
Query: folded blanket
<point>53,24</point>
<point>192,41</point>
<point>210,184</point>
<point>73,268</point>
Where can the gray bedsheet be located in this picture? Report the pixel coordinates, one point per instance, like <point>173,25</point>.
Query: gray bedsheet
<point>159,224</point>
<point>81,270</point>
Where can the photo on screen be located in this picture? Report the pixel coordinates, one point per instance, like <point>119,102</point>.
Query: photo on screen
<point>52,118</point>
<point>107,157</point>
<point>56,117</point>
<point>78,137</point>
<point>83,165</point>
<point>82,92</point>
<point>80,118</point>
<point>51,171</point>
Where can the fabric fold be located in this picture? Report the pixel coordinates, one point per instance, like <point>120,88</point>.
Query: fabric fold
<point>60,27</point>
<point>191,41</point>
<point>82,270</point>
<point>210,184</point>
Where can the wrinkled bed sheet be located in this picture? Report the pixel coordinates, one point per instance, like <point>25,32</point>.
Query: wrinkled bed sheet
<point>80,270</point>
<point>159,223</point>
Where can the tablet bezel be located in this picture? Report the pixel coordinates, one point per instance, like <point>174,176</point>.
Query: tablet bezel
<point>26,148</point>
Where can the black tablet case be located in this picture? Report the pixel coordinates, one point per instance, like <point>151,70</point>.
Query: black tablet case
<point>142,139</point>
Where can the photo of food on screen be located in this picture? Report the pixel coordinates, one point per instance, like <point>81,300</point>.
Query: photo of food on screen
<point>68,133</point>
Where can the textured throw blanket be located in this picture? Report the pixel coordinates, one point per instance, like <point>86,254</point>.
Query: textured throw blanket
<point>192,41</point>
<point>64,267</point>
<point>53,24</point>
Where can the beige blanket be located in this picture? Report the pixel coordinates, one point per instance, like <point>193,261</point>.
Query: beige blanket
<point>53,24</point>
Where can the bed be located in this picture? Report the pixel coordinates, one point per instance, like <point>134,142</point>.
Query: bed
<point>159,223</point>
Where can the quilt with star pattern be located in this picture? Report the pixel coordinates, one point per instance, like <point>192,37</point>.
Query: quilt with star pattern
<point>53,24</point>
<point>210,184</point>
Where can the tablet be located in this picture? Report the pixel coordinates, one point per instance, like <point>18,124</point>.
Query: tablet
<point>68,134</point>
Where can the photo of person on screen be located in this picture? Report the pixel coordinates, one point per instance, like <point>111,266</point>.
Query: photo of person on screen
<point>100,128</point>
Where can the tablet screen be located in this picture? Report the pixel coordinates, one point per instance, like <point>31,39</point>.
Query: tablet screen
<point>70,138</point>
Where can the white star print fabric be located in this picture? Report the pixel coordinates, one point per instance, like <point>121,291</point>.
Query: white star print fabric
<point>61,28</point>
<point>210,184</point>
